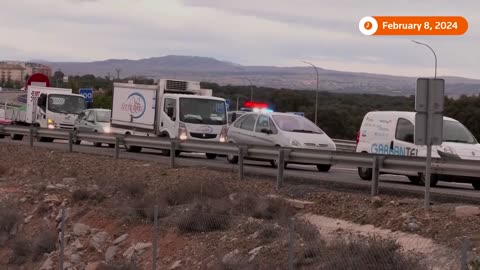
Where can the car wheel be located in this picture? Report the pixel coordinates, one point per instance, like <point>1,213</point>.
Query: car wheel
<point>77,142</point>
<point>133,149</point>
<point>232,159</point>
<point>211,156</point>
<point>177,153</point>
<point>97,144</point>
<point>2,136</point>
<point>111,145</point>
<point>16,137</point>
<point>274,164</point>
<point>365,173</point>
<point>476,185</point>
<point>323,167</point>
<point>414,179</point>
<point>433,179</point>
<point>44,139</point>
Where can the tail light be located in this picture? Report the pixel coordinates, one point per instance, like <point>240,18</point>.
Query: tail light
<point>182,132</point>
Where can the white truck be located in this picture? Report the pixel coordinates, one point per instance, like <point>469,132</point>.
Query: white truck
<point>173,109</point>
<point>47,107</point>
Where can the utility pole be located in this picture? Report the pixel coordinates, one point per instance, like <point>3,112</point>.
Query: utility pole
<point>118,73</point>
<point>316,92</point>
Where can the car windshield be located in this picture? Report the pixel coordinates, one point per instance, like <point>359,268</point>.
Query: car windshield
<point>456,132</point>
<point>103,116</point>
<point>203,111</point>
<point>294,123</point>
<point>66,104</point>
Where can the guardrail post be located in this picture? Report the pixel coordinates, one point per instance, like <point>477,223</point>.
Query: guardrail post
<point>242,150</point>
<point>280,167</point>
<point>32,132</point>
<point>70,141</point>
<point>173,147</point>
<point>117,147</point>
<point>376,174</point>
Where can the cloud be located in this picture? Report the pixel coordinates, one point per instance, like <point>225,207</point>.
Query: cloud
<point>267,32</point>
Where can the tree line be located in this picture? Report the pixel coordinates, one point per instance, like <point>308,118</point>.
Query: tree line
<point>339,114</point>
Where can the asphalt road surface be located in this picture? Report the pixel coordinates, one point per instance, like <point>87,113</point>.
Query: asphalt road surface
<point>339,177</point>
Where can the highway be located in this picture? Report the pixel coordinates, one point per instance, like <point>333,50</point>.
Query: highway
<point>339,177</point>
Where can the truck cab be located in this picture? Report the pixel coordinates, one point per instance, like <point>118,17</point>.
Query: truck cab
<point>175,109</point>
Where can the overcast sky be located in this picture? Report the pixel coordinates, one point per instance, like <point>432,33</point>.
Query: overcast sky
<point>248,32</point>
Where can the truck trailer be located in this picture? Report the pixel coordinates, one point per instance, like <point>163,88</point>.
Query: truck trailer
<point>173,109</point>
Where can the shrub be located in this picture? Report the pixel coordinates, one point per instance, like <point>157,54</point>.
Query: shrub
<point>80,194</point>
<point>145,208</point>
<point>203,218</point>
<point>8,218</point>
<point>42,208</point>
<point>272,208</point>
<point>307,231</point>
<point>21,252</point>
<point>189,190</point>
<point>133,188</point>
<point>44,243</point>
<point>268,233</point>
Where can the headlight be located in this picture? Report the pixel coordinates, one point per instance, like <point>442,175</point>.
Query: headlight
<point>106,129</point>
<point>295,143</point>
<point>223,135</point>
<point>50,121</point>
<point>182,132</point>
<point>51,126</point>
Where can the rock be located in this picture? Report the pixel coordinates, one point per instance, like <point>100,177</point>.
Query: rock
<point>47,265</point>
<point>299,204</point>
<point>67,265</point>
<point>52,199</point>
<point>376,201</point>
<point>80,229</point>
<point>76,258</point>
<point>23,199</point>
<point>77,245</point>
<point>413,226</point>
<point>111,253</point>
<point>467,211</point>
<point>254,252</point>
<point>136,249</point>
<point>232,258</point>
<point>98,241</point>
<point>28,219</point>
<point>93,266</point>
<point>69,181</point>
<point>51,188</point>
<point>92,188</point>
<point>176,265</point>
<point>60,186</point>
<point>120,239</point>
<point>14,230</point>
<point>232,196</point>
<point>255,235</point>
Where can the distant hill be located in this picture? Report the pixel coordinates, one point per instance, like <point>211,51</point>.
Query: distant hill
<point>224,73</point>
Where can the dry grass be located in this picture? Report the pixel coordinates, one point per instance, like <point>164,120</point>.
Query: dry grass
<point>144,208</point>
<point>82,194</point>
<point>133,188</point>
<point>44,243</point>
<point>357,253</point>
<point>8,217</point>
<point>21,252</point>
<point>206,216</point>
<point>190,190</point>
<point>273,208</point>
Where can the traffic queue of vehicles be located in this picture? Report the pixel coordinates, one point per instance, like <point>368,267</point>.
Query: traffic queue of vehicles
<point>183,110</point>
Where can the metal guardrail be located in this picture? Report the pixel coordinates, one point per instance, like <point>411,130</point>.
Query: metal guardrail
<point>345,145</point>
<point>469,168</point>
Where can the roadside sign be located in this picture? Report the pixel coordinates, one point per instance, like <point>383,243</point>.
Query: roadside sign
<point>87,93</point>
<point>227,101</point>
<point>429,100</point>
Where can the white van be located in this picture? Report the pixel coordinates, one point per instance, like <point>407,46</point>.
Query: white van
<point>392,133</point>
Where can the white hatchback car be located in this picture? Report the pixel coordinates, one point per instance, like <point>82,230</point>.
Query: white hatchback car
<point>279,129</point>
<point>94,120</point>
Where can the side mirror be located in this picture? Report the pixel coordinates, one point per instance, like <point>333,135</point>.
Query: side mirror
<point>266,131</point>
<point>234,117</point>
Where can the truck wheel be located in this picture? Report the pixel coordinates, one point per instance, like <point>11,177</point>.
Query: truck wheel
<point>44,139</point>
<point>476,185</point>
<point>2,136</point>
<point>211,156</point>
<point>323,167</point>
<point>133,149</point>
<point>414,179</point>
<point>274,164</point>
<point>16,137</point>
<point>97,144</point>
<point>232,159</point>
<point>111,145</point>
<point>365,173</point>
<point>77,142</point>
<point>433,179</point>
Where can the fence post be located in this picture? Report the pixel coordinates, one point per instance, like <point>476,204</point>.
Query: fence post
<point>155,239</point>
<point>70,141</point>
<point>62,239</point>
<point>463,255</point>
<point>32,132</point>
<point>291,244</point>
<point>241,154</point>
<point>172,153</point>
<point>375,175</point>
<point>281,167</point>
<point>117,147</point>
